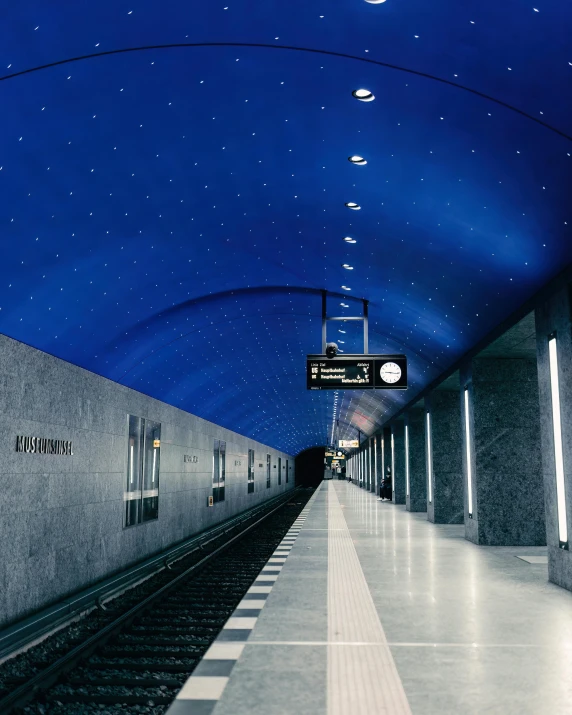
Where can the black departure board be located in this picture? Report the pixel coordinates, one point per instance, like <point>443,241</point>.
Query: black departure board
<point>356,372</point>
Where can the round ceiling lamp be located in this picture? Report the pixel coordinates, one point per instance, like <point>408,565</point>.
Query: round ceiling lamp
<point>375,2</point>
<point>353,206</point>
<point>364,95</point>
<point>349,239</point>
<point>356,159</point>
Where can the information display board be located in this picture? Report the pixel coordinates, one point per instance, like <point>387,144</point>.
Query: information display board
<point>356,372</point>
<point>348,443</point>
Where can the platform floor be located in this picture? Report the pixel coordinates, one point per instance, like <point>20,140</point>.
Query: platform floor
<point>366,609</point>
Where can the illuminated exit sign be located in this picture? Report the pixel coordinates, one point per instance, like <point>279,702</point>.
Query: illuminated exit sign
<point>356,372</point>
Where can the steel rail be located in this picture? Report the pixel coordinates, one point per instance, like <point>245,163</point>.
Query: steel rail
<point>46,678</point>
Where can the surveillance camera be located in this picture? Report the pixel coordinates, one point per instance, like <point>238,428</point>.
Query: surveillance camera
<point>331,350</point>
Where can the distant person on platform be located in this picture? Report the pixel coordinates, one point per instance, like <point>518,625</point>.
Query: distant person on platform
<point>385,487</point>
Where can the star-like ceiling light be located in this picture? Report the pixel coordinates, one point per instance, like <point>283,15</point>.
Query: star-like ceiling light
<point>364,95</point>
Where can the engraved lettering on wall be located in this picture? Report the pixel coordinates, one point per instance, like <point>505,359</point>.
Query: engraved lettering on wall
<point>42,445</point>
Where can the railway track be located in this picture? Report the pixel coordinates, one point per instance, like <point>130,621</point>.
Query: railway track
<point>136,655</point>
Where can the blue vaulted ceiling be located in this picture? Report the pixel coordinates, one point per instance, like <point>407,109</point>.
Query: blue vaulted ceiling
<point>170,214</point>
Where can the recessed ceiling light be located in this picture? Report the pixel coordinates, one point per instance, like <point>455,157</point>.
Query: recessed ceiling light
<point>353,206</point>
<point>349,239</point>
<point>345,288</point>
<point>347,267</point>
<point>359,160</point>
<point>364,95</point>
<point>344,305</point>
<point>375,2</point>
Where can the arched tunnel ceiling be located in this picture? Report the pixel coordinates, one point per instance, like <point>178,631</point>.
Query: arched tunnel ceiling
<point>148,196</point>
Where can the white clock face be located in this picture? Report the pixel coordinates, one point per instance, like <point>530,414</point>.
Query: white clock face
<point>390,372</point>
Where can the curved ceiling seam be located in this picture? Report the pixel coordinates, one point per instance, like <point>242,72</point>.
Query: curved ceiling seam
<point>254,315</point>
<point>330,53</point>
<point>173,310</point>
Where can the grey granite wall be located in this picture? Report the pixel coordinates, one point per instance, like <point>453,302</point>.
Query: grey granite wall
<point>398,473</point>
<point>61,517</point>
<point>508,498</point>
<point>417,498</point>
<point>554,315</point>
<point>447,492</point>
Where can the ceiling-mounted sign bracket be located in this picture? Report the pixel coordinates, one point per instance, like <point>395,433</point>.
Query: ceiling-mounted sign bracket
<point>364,318</point>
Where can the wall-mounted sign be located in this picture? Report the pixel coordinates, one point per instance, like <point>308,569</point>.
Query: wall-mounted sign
<point>349,443</point>
<point>330,454</point>
<point>40,445</point>
<point>190,458</point>
<point>156,443</point>
<point>356,372</point>
<point>211,501</point>
<point>237,463</point>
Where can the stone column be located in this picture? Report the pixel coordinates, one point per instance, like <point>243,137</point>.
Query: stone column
<point>506,473</point>
<point>386,440</point>
<point>368,454</point>
<point>377,457</point>
<point>446,491</point>
<point>553,320</point>
<point>416,500</point>
<point>381,458</point>
<point>398,459</point>
<point>373,459</point>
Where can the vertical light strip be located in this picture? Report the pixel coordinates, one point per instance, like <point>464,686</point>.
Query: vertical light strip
<point>375,463</point>
<point>392,462</point>
<point>468,448</point>
<point>429,459</point>
<point>557,429</point>
<point>131,467</point>
<point>407,459</point>
<point>154,460</point>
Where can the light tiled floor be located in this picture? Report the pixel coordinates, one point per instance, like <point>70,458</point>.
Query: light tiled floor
<point>470,629</point>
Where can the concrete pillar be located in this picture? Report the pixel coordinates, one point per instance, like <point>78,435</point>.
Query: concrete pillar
<point>398,461</point>
<point>381,457</point>
<point>372,461</point>
<point>386,455</point>
<point>416,494</point>
<point>553,321</point>
<point>505,458</point>
<point>378,461</point>
<point>369,451</point>
<point>444,458</point>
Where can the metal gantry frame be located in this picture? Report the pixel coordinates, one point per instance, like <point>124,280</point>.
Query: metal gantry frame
<point>364,318</point>
<point>325,319</point>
